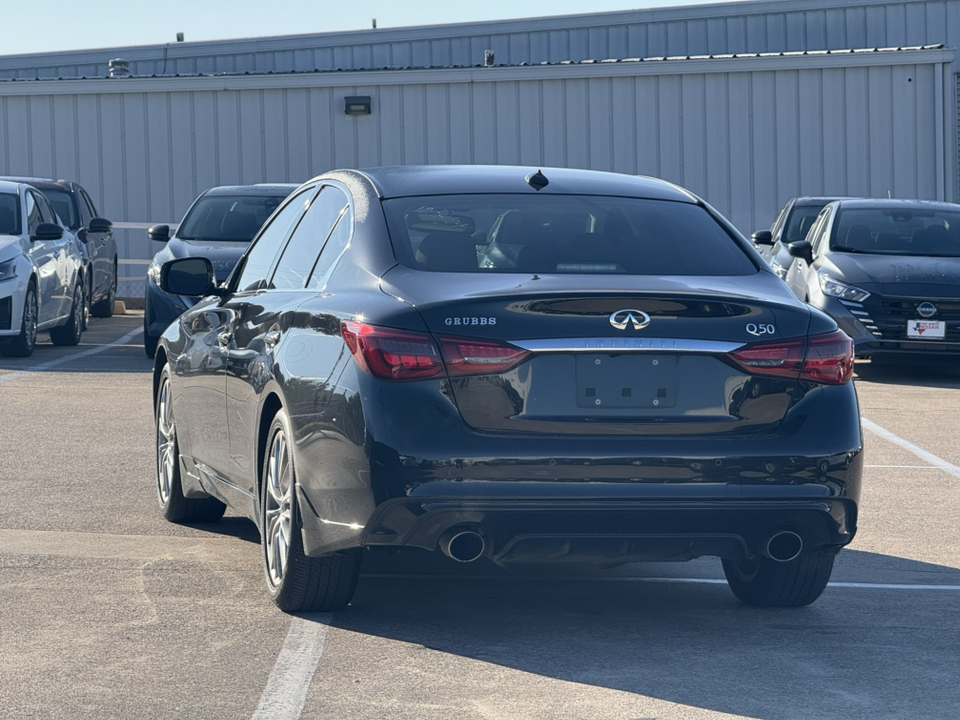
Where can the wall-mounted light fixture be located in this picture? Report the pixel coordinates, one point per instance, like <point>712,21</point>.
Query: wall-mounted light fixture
<point>357,105</point>
<point>119,68</point>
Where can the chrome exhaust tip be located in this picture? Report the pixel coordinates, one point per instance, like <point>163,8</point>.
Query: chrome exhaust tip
<point>783,546</point>
<point>462,545</point>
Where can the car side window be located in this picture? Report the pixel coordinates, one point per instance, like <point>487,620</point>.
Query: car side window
<point>87,210</point>
<point>309,239</point>
<point>47,211</point>
<point>818,232</point>
<point>260,256</point>
<point>779,222</point>
<point>332,251</point>
<point>34,214</point>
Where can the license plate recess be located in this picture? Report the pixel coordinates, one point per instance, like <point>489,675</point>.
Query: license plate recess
<point>626,381</point>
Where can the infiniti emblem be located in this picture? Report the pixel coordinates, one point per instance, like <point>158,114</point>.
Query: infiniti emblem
<point>621,318</point>
<point>927,309</point>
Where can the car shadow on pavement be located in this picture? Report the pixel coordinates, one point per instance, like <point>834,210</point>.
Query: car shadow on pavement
<point>917,372</point>
<point>857,652</point>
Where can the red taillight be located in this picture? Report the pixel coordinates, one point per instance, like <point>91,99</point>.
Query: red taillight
<point>405,355</point>
<point>392,354</point>
<point>479,357</point>
<point>829,359</point>
<point>825,359</point>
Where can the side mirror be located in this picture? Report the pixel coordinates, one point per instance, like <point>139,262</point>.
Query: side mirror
<point>47,231</point>
<point>160,233</point>
<point>801,249</point>
<point>189,276</point>
<point>762,237</point>
<point>100,225</point>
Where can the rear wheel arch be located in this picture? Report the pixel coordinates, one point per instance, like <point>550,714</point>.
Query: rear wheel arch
<point>158,365</point>
<point>271,406</point>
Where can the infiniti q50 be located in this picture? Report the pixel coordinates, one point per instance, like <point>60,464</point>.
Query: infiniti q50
<point>512,365</point>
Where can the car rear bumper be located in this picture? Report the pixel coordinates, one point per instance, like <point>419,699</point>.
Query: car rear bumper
<point>608,522</point>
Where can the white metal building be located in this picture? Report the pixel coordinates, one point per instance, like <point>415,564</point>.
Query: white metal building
<point>783,117</point>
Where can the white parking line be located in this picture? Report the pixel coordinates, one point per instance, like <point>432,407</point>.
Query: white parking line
<point>286,691</point>
<point>40,367</point>
<point>924,455</point>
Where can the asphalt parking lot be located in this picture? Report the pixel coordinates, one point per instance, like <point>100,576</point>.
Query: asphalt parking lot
<point>108,611</point>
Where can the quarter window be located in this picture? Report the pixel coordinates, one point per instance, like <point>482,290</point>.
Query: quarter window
<point>259,258</point>
<point>309,239</point>
<point>339,239</point>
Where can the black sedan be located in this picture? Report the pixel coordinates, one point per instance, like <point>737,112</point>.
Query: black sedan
<point>510,364</point>
<point>888,271</point>
<point>219,226</point>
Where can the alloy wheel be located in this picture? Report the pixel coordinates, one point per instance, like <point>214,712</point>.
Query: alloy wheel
<point>278,508</point>
<point>30,317</point>
<point>166,445</point>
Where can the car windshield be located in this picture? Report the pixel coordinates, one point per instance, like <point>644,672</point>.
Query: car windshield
<point>561,234</point>
<point>800,221</point>
<point>9,214</point>
<point>224,218</point>
<point>63,205</point>
<point>912,231</point>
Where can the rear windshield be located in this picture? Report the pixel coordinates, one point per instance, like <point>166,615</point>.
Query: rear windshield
<point>561,234</point>
<point>9,214</point>
<point>898,231</point>
<point>227,218</point>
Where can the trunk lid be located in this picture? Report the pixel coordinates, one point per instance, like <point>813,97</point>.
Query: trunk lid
<point>612,355</point>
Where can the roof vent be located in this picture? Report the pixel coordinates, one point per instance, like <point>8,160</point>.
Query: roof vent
<point>538,181</point>
<point>119,68</point>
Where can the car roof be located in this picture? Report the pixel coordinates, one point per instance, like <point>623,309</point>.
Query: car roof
<point>41,183</point>
<point>809,200</point>
<point>413,180</point>
<point>264,189</point>
<point>891,204</point>
<point>9,186</point>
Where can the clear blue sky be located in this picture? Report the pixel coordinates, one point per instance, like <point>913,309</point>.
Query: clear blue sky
<point>80,24</point>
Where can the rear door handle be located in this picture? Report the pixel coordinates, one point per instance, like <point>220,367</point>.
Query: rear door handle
<point>224,338</point>
<point>271,339</point>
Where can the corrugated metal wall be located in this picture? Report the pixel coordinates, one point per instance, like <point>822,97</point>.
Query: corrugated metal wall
<point>746,134</point>
<point>743,27</point>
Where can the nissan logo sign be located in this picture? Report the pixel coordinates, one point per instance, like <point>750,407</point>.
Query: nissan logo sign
<point>621,318</point>
<point>927,309</point>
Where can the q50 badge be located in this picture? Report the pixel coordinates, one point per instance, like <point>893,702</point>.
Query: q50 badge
<point>759,329</point>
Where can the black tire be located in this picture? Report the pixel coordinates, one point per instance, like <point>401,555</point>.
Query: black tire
<point>87,297</point>
<point>23,344</point>
<point>69,333</point>
<point>174,506</point>
<point>763,582</point>
<point>296,583</point>
<point>103,308</point>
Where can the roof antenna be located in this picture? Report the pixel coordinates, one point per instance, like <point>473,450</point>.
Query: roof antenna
<point>538,181</point>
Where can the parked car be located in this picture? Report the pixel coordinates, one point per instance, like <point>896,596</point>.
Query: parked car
<point>218,225</point>
<point>792,224</point>
<point>514,365</point>
<point>98,248</point>
<point>40,273</point>
<point>888,271</point>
